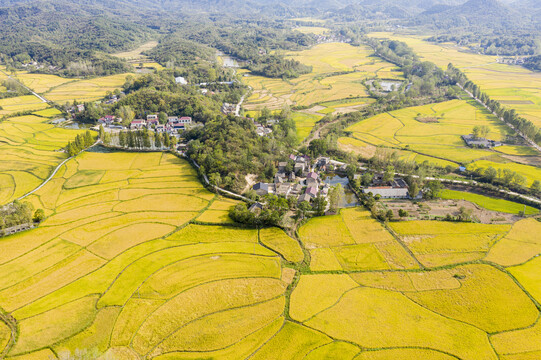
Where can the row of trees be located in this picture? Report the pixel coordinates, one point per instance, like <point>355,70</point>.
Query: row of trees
<point>510,116</point>
<point>138,139</point>
<point>81,142</point>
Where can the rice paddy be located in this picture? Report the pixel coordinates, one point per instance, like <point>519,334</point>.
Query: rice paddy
<point>136,259</point>
<point>437,142</point>
<point>29,150</point>
<point>85,90</point>
<point>515,86</point>
<point>129,269</point>
<point>338,70</point>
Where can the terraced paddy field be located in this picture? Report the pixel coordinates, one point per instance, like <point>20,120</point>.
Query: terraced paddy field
<point>29,151</point>
<point>514,86</point>
<point>437,141</point>
<point>21,103</point>
<point>338,70</point>
<point>81,90</point>
<point>447,303</point>
<point>125,267</point>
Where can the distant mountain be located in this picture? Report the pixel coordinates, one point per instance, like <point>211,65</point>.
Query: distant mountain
<point>489,14</point>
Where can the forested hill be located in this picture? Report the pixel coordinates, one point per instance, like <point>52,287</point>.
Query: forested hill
<point>474,14</point>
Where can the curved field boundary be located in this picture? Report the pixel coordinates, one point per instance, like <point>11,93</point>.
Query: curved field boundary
<point>12,324</point>
<point>54,173</point>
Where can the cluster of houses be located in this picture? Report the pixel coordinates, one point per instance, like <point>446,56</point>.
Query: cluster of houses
<point>511,60</point>
<point>476,142</point>
<point>265,130</point>
<point>295,177</point>
<point>298,178</point>
<point>174,125</point>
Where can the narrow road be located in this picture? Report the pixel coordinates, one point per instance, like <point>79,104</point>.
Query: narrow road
<point>54,173</point>
<point>214,186</point>
<point>26,87</point>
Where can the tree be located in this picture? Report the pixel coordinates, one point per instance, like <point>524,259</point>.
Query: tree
<point>507,176</point>
<point>413,189</point>
<point>536,186</point>
<point>303,209</point>
<point>166,141</point>
<point>432,189</point>
<point>336,197</point>
<point>402,213</point>
<point>318,147</point>
<point>157,140</point>
<point>89,140</point>
<point>162,117</point>
<point>519,180</point>
<point>319,205</point>
<point>102,132</point>
<point>127,114</point>
<point>490,174</point>
<point>366,179</point>
<point>389,174</point>
<point>39,215</point>
<point>122,139</point>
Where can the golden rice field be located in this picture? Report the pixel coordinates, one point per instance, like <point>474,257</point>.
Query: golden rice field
<point>516,87</point>
<point>29,151</point>
<point>85,90</point>
<point>337,72</point>
<point>21,103</point>
<point>438,142</point>
<point>316,30</point>
<point>136,261</point>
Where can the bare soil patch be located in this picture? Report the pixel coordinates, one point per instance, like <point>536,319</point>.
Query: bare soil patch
<point>434,209</point>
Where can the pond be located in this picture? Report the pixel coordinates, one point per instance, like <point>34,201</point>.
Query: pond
<point>350,199</point>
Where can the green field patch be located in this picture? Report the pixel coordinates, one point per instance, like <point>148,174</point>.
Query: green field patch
<point>279,241</point>
<point>489,203</point>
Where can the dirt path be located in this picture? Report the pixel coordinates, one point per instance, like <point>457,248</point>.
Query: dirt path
<point>250,181</point>
<point>317,133</point>
<point>12,324</point>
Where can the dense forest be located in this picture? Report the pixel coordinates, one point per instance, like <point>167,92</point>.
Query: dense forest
<point>533,63</point>
<point>227,149</point>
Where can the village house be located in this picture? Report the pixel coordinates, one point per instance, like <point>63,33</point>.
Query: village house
<point>151,122</point>
<point>229,108</point>
<point>312,179</point>
<point>107,120</point>
<point>138,124</point>
<point>282,166</point>
<point>81,107</point>
<point>152,117</point>
<point>185,120</point>
<point>283,189</point>
<point>296,189</point>
<point>475,142</point>
<point>396,189</point>
<point>312,191</point>
<point>263,189</point>
<point>304,198</point>
<point>181,80</point>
